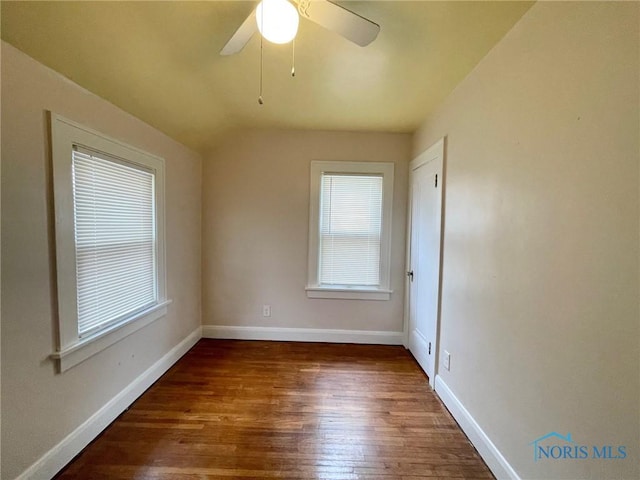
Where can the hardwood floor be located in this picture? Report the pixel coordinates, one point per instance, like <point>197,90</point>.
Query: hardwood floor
<point>254,410</point>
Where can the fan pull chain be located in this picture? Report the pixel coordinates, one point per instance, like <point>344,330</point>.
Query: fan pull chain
<point>293,58</point>
<point>260,101</point>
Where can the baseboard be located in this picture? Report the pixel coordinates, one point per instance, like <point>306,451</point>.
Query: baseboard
<point>485,447</point>
<point>302,335</point>
<point>56,458</point>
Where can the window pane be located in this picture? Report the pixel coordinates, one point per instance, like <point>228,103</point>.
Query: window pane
<point>350,229</point>
<point>115,240</point>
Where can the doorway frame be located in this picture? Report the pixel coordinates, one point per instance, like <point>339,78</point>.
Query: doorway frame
<point>435,152</point>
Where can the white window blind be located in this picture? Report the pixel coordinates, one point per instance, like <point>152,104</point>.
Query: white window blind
<point>350,229</point>
<point>115,239</point>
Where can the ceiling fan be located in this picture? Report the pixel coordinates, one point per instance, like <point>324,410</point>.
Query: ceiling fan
<point>277,21</point>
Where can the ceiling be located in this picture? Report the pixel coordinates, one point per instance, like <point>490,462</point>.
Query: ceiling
<point>160,62</point>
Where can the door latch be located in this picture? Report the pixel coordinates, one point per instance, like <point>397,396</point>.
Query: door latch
<point>410,275</point>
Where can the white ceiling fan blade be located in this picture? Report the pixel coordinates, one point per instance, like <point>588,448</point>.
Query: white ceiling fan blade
<point>342,21</point>
<point>242,35</point>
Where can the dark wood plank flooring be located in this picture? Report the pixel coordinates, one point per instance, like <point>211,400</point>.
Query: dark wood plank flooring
<point>254,410</point>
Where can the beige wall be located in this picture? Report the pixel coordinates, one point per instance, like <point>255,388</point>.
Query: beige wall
<point>540,288</point>
<point>256,227</point>
<point>40,407</point>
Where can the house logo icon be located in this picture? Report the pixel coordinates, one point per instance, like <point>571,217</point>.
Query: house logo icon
<point>541,449</point>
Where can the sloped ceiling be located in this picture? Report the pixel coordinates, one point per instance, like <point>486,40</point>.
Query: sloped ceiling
<point>160,62</point>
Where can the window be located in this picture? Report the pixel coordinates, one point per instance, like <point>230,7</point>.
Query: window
<point>109,205</point>
<point>350,230</point>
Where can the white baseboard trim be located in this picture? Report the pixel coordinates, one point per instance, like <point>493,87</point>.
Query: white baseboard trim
<point>56,458</point>
<point>486,448</point>
<point>302,335</point>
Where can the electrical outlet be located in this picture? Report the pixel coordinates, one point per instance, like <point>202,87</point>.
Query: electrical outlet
<point>446,360</point>
<point>266,310</point>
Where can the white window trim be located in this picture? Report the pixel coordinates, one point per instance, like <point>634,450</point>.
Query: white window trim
<point>72,349</point>
<point>313,288</point>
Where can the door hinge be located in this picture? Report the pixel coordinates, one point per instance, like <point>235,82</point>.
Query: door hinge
<point>436,185</point>
<point>429,348</point>
<point>410,275</point>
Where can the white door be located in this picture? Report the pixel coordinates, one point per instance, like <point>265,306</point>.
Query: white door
<point>424,257</point>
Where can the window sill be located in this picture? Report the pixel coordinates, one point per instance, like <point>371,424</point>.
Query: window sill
<point>86,347</point>
<point>355,293</point>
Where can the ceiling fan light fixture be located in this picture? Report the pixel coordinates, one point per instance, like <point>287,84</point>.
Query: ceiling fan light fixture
<point>277,20</point>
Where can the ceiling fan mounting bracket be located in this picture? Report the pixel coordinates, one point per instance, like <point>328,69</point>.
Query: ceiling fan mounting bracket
<point>303,7</point>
